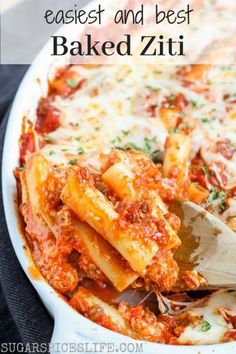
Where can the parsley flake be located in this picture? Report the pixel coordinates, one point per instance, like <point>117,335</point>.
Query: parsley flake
<point>72,162</point>
<point>125,132</point>
<point>215,194</point>
<point>196,104</point>
<point>48,138</point>
<point>205,169</point>
<point>212,195</point>
<point>221,194</point>
<point>206,326</point>
<point>171,98</point>
<point>72,83</point>
<point>173,131</point>
<point>21,167</point>
<point>80,150</point>
<point>166,309</point>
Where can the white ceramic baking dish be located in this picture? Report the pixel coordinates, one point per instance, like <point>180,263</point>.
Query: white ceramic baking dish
<point>70,326</point>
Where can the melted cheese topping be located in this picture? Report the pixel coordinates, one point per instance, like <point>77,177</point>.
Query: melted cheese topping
<point>116,115</point>
<point>118,106</point>
<point>209,326</point>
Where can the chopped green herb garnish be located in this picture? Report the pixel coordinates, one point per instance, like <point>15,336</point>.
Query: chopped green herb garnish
<point>205,120</point>
<point>184,125</point>
<point>97,129</point>
<point>166,309</point>
<point>134,146</point>
<point>116,140</point>
<point>216,194</point>
<point>173,131</point>
<point>125,132</point>
<point>196,104</point>
<point>78,138</point>
<point>221,194</point>
<point>206,326</point>
<point>80,150</point>
<point>129,146</point>
<point>212,195</point>
<point>72,162</point>
<point>48,138</point>
<point>222,206</point>
<point>21,167</point>
<point>153,139</point>
<point>52,152</point>
<point>171,98</point>
<point>74,124</point>
<point>205,169</point>
<point>152,88</point>
<point>72,83</point>
<point>64,150</point>
<point>149,144</point>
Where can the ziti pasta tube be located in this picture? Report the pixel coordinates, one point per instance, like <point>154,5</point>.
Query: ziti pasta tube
<point>91,206</point>
<point>121,178</point>
<point>106,258</point>
<point>106,315</point>
<point>176,159</point>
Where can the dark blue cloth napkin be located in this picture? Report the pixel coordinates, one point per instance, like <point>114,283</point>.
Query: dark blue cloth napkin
<point>23,318</point>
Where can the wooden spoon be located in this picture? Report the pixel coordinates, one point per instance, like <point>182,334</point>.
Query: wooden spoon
<point>208,245</point>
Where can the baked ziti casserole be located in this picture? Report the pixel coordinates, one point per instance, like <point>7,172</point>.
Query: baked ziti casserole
<point>111,148</point>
